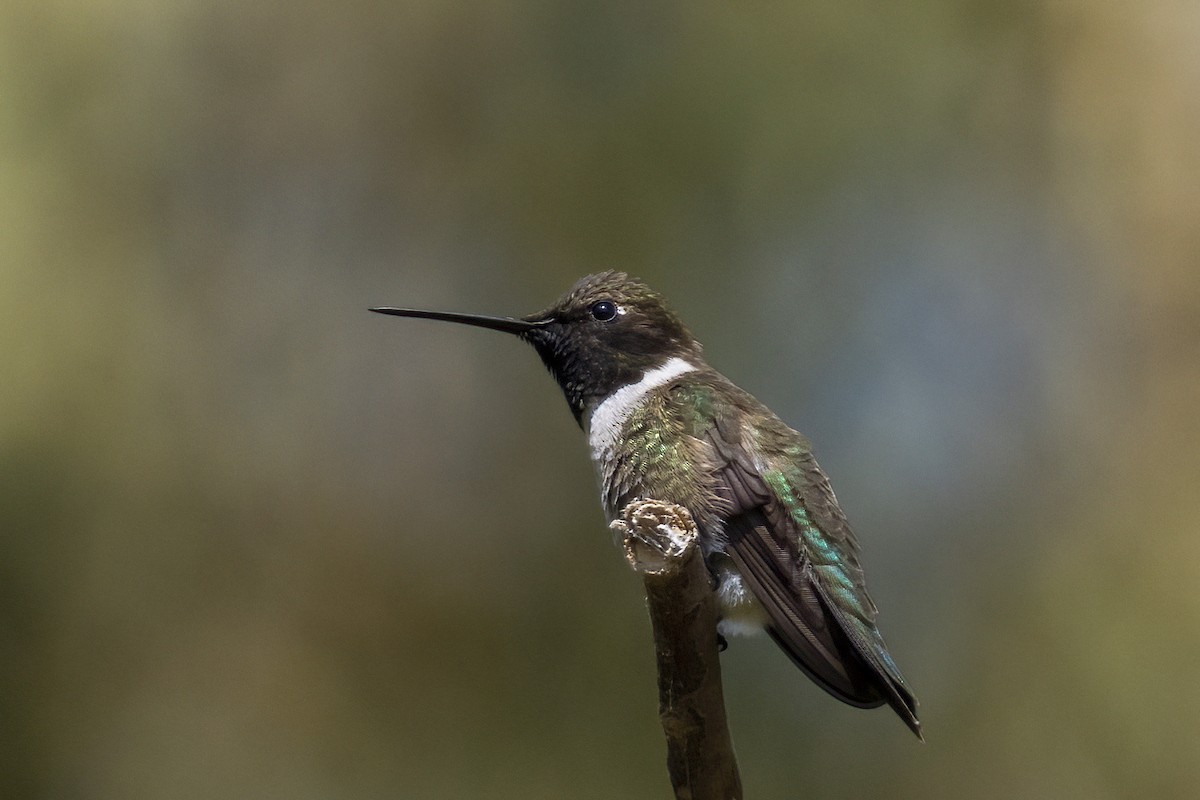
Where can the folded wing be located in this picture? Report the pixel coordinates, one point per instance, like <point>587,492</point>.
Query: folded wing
<point>790,541</point>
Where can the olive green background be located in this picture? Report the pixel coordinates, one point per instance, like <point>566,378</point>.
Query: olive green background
<point>256,542</point>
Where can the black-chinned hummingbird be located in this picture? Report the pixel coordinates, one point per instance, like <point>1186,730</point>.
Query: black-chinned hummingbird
<point>664,425</point>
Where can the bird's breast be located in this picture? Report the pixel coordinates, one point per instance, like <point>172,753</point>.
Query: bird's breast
<point>606,425</point>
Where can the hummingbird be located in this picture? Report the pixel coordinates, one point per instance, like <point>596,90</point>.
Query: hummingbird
<point>662,424</point>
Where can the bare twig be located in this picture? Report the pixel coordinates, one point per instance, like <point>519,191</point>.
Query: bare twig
<point>661,543</point>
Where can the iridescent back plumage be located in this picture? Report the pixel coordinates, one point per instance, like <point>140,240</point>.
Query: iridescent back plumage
<point>764,506</point>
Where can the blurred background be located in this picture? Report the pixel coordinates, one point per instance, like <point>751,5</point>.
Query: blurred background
<point>256,542</point>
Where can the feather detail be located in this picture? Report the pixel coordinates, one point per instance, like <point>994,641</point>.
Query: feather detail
<point>791,544</point>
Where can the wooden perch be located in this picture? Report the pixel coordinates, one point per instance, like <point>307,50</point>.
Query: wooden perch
<point>661,543</point>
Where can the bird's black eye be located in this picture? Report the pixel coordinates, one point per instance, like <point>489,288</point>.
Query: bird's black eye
<point>604,311</point>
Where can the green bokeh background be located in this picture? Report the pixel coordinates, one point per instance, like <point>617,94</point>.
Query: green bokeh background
<point>256,542</point>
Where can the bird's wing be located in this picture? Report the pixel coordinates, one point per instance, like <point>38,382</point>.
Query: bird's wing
<point>792,545</point>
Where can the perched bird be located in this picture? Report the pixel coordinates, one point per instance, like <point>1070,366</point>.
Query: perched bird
<point>662,424</point>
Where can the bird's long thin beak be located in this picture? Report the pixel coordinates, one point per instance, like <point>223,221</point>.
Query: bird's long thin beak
<point>506,324</point>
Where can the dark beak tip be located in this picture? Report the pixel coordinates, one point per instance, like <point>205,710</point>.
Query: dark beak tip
<point>506,324</point>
